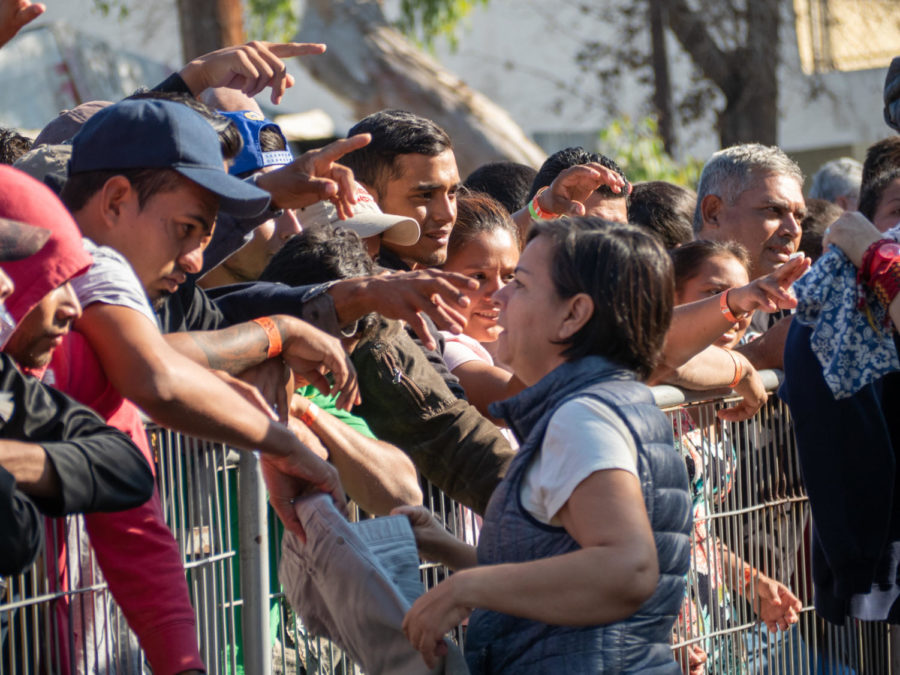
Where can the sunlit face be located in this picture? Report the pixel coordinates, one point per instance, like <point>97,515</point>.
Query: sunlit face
<point>715,275</point>
<point>424,189</point>
<point>765,218</point>
<point>43,328</point>
<point>165,239</point>
<point>531,313</point>
<point>490,258</point>
<point>888,212</point>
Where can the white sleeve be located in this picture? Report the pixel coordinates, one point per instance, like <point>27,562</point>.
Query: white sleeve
<point>583,436</point>
<point>456,354</point>
<point>112,281</point>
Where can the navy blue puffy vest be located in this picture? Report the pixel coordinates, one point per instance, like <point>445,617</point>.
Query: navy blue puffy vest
<point>499,643</point>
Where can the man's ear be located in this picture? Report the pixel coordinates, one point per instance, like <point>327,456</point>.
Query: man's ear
<point>710,209</point>
<point>114,197</point>
<point>580,311</point>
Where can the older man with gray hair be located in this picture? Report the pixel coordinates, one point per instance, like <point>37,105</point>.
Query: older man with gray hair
<point>752,194</point>
<point>838,182</point>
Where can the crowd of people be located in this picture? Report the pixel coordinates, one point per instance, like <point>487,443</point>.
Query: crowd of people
<point>362,317</point>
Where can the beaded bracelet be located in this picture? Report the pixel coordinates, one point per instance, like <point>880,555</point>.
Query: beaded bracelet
<point>885,283</point>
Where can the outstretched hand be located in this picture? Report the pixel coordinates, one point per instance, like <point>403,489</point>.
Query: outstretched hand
<point>291,476</point>
<point>771,292</point>
<point>15,15</point>
<point>407,295</point>
<point>314,176</point>
<point>432,616</point>
<point>775,604</point>
<point>250,68</point>
<point>569,190</point>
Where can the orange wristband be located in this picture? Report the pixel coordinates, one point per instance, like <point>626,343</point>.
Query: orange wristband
<point>726,310</point>
<point>310,414</point>
<point>738,369</point>
<point>272,334</point>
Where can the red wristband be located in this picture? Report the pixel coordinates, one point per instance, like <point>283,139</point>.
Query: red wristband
<point>310,415</point>
<point>272,334</point>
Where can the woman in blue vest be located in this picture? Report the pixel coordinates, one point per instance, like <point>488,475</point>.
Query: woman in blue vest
<point>581,562</point>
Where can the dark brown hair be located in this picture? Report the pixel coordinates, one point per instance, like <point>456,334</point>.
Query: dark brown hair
<point>478,213</point>
<point>628,276</point>
<point>686,259</point>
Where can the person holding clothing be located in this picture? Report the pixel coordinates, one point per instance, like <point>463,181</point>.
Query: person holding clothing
<point>581,562</point>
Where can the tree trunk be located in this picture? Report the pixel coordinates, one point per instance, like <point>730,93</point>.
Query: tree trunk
<point>662,84</point>
<point>207,25</point>
<point>751,109</point>
<point>371,66</point>
<point>747,74</point>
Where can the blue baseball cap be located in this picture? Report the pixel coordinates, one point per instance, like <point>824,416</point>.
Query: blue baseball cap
<point>252,158</point>
<point>155,134</point>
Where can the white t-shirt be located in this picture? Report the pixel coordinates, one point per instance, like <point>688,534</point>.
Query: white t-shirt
<point>583,436</point>
<point>460,349</point>
<point>112,281</point>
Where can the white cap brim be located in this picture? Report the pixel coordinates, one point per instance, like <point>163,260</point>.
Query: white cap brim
<point>394,229</point>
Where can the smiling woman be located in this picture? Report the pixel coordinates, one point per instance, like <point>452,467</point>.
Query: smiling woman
<point>484,245</point>
<point>581,562</point>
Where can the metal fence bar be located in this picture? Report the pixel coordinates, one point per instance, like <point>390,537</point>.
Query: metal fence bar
<point>58,616</point>
<point>254,548</point>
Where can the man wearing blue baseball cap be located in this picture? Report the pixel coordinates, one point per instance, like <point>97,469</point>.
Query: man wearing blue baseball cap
<point>146,180</point>
<point>265,149</point>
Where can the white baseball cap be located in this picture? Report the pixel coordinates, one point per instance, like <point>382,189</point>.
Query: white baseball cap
<point>367,221</point>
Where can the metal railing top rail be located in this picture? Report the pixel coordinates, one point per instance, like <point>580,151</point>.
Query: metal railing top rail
<point>670,396</point>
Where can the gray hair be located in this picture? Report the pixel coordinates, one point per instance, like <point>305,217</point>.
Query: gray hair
<point>731,171</point>
<point>837,178</point>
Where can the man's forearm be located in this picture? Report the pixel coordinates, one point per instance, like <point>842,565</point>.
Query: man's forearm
<point>378,476</point>
<point>233,349</point>
<point>29,465</point>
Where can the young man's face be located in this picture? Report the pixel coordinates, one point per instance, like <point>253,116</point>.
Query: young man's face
<point>42,329</point>
<point>167,236</point>
<point>425,189</point>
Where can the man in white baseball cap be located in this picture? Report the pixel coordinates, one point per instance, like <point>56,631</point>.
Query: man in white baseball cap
<point>371,224</point>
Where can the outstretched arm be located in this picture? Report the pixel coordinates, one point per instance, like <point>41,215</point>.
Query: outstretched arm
<point>306,349</point>
<point>377,475</point>
<point>15,15</point>
<point>250,68</point>
<point>186,397</point>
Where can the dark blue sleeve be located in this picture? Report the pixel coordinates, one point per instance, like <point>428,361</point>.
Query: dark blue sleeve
<point>244,302</point>
<point>20,527</point>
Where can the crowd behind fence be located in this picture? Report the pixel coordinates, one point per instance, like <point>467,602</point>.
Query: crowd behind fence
<point>59,617</point>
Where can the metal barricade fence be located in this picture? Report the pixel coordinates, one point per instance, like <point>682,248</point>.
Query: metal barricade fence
<point>750,507</point>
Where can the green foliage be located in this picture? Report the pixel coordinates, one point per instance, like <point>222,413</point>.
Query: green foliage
<point>639,150</point>
<point>272,20</point>
<point>427,20</point>
<point>107,7</point>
